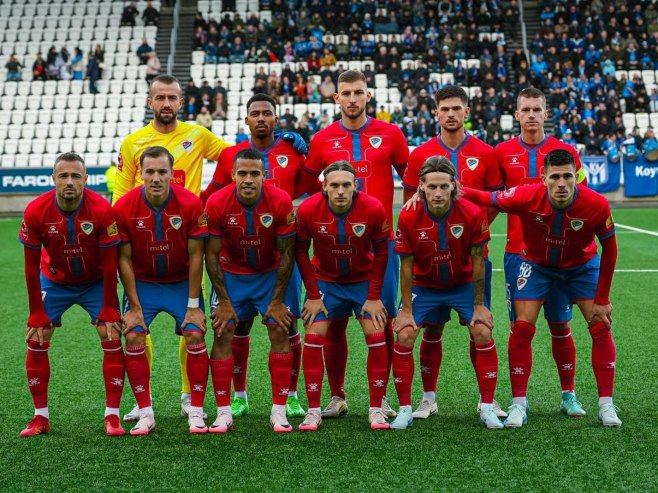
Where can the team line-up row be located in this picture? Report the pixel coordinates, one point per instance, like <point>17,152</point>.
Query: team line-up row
<point>252,239</point>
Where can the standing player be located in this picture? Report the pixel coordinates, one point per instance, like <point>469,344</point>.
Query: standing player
<point>476,168</point>
<point>283,164</point>
<point>249,258</point>
<point>190,145</point>
<point>72,233</point>
<point>374,148</point>
<point>559,220</point>
<point>442,268</point>
<point>162,228</point>
<point>521,162</point>
<point>349,231</point>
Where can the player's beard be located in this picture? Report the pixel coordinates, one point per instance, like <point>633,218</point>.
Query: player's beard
<point>165,120</point>
<point>354,116</point>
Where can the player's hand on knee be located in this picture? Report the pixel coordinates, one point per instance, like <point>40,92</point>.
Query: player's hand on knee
<point>602,313</point>
<point>196,317</point>
<point>36,323</point>
<point>404,319</point>
<point>482,315</point>
<point>377,312</point>
<point>112,330</point>
<point>37,332</point>
<point>281,315</point>
<point>312,309</point>
<point>133,318</point>
<point>223,314</point>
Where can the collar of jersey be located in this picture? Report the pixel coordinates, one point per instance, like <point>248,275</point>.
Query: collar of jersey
<point>438,219</point>
<point>448,148</point>
<point>361,129</point>
<point>164,204</point>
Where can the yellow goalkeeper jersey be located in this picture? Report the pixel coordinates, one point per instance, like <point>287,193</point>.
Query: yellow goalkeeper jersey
<point>189,144</point>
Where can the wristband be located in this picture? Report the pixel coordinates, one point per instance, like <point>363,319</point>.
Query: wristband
<point>193,302</point>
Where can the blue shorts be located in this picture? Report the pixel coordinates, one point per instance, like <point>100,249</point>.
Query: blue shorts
<point>557,305</point>
<point>342,300</point>
<point>536,282</point>
<point>171,298</point>
<point>488,275</point>
<point>432,306</point>
<point>389,294</point>
<point>251,294</point>
<point>57,298</point>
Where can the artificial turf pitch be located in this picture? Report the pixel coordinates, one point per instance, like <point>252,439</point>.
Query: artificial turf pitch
<point>447,452</point>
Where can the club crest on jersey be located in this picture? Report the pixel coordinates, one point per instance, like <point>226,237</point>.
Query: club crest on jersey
<point>609,223</point>
<point>282,161</point>
<point>457,230</point>
<point>521,282</point>
<point>87,227</point>
<point>266,220</point>
<point>472,163</point>
<point>176,222</point>
<point>187,145</point>
<point>576,224</point>
<point>359,229</point>
<point>375,142</point>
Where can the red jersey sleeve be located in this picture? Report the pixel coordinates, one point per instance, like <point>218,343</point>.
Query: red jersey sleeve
<point>493,177</point>
<point>213,215</point>
<point>122,225</point>
<point>30,233</point>
<point>197,220</point>
<point>402,240</point>
<point>411,180</point>
<point>109,234</point>
<point>401,156</point>
<point>380,225</point>
<point>285,217</point>
<point>480,231</point>
<point>509,200</point>
<point>606,226</point>
<point>223,171</point>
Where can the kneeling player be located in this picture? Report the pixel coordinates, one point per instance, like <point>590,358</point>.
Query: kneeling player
<point>560,220</point>
<point>344,277</point>
<point>71,231</point>
<point>162,228</point>
<point>249,258</point>
<point>441,245</point>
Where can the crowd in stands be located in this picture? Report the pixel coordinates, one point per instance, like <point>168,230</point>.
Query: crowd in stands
<point>150,15</point>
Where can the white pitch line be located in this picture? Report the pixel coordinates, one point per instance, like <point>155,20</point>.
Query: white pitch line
<point>639,230</point>
<point>651,271</point>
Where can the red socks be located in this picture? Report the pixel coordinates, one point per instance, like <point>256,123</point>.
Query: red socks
<point>296,350</point>
<point>403,372</point>
<point>114,372</point>
<point>471,349</point>
<point>519,349</point>
<point>197,372</point>
<point>377,367</point>
<point>390,343</point>
<point>431,355</point>
<point>240,349</point>
<point>604,357</point>
<point>486,370</point>
<point>335,356</point>
<point>280,365</point>
<point>564,354</point>
<point>313,368</point>
<point>37,367</point>
<point>139,374</point>
<point>222,371</point>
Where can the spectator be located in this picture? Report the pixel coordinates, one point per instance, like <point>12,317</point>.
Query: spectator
<point>77,64</point>
<point>204,118</point>
<point>93,73</point>
<point>129,14</point>
<point>143,51</point>
<point>99,53</point>
<point>221,107</point>
<point>150,16</point>
<point>237,50</point>
<point>383,114</point>
<point>14,67</point>
<point>327,89</point>
<point>39,68</point>
<point>313,91</point>
<point>152,67</point>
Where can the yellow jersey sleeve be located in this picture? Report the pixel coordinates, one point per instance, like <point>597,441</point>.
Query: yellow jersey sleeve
<point>126,168</point>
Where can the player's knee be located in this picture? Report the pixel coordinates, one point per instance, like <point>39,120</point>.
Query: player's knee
<point>557,327</point>
<point>244,328</point>
<point>193,336</point>
<point>136,336</point>
<point>278,337</point>
<point>407,337</point>
<point>598,330</point>
<point>480,333</point>
<point>523,331</point>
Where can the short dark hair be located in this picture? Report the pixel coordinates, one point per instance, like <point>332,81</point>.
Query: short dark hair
<point>352,75</point>
<point>530,93</point>
<point>250,154</point>
<point>69,156</point>
<point>261,97</point>
<point>156,152</point>
<point>451,92</point>
<point>166,80</point>
<point>559,157</point>
<point>439,164</point>
<point>339,166</point>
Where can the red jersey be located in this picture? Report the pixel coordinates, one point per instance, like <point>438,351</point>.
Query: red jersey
<point>282,165</point>
<point>441,247</point>
<point>71,240</point>
<point>561,238</point>
<point>373,150</point>
<point>473,159</point>
<point>522,164</point>
<point>249,233</point>
<point>342,244</point>
<point>158,237</point>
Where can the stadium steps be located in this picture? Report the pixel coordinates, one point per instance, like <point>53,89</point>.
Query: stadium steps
<point>184,42</point>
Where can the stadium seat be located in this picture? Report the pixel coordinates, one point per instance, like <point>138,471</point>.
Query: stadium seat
<point>97,115</point>
<point>38,146</point>
<point>198,57</point>
<point>628,119</point>
<point>112,115</point>
<point>642,120</point>
<point>11,146</point>
<point>106,144</point>
<point>14,132</point>
<point>7,160</point>
<point>4,129</point>
<point>27,131</point>
<point>24,146</point>
<point>40,131</point>
<point>18,117</point>
<point>93,145</point>
<point>69,130</point>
